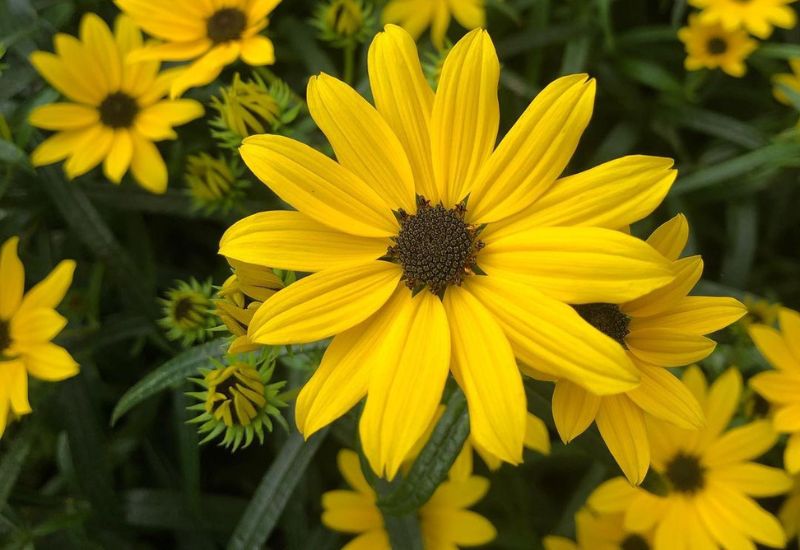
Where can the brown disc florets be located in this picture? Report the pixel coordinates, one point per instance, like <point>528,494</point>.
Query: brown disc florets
<point>225,25</point>
<point>608,319</point>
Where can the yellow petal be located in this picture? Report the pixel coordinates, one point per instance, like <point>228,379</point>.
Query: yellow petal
<point>156,121</point>
<point>687,272</point>
<point>662,395</point>
<point>350,512</point>
<point>748,516</point>
<point>350,467</point>
<point>15,380</point>
<point>465,116</point>
<point>119,156</point>
<point>324,304</point>
<point>612,497</point>
<point>291,240</point>
<point>318,186</point>
<point>51,290</point>
<point>63,116</point>
<point>739,444</point>
<point>405,100</point>
<point>578,264</point>
<point>457,494</point>
<point>574,409</point>
<point>101,48</point>
<point>753,479</point>
<point>413,17</point>
<point>57,73</point>
<point>470,14</point>
<point>410,371</point>
<point>774,348</point>
<point>668,347</point>
<point>535,151</point>
<point>537,436</point>
<point>147,166</point>
<point>50,362</point>
<point>58,147</point>
<point>458,527</point>
<point>621,424</point>
<point>670,238</point>
<point>170,51</point>
<point>258,51</point>
<point>362,140</point>
<point>12,275</point>
<point>695,314</point>
<point>553,337</point>
<point>721,403</point>
<point>33,327</point>
<point>206,69</point>
<point>791,455</point>
<point>645,511</point>
<point>558,543</point>
<point>496,397</point>
<point>777,387</point>
<point>90,151</point>
<point>439,24</point>
<point>723,526</point>
<point>787,418</point>
<point>377,539</point>
<point>790,326</point>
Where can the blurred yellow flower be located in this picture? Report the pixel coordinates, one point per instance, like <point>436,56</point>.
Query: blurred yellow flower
<point>663,329</point>
<point>28,323</point>
<point>789,80</point>
<point>755,16</point>
<point>116,110</point>
<point>760,311</point>
<point>445,521</point>
<point>413,280</point>
<point>781,387</point>
<point>711,46</point>
<point>709,479</point>
<point>213,33</point>
<point>417,15</point>
<point>789,513</point>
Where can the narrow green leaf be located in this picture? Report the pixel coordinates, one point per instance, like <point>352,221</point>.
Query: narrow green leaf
<point>273,492</point>
<point>742,242</point>
<point>404,531</point>
<point>12,462</point>
<point>433,463</point>
<point>778,51</point>
<point>717,125</point>
<point>651,74</point>
<point>11,154</point>
<point>163,509</point>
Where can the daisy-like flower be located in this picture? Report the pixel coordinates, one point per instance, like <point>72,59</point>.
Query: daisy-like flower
<point>28,323</point>
<point>445,521</point>
<point>712,46</point>
<point>434,252</point>
<point>663,329</point>
<point>116,109</point>
<point>788,80</point>
<point>756,16</point>
<point>603,531</point>
<point>781,386</point>
<point>213,33</point>
<point>709,479</point>
<point>417,15</point>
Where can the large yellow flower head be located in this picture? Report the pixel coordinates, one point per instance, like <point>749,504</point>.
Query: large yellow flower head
<point>664,329</point>
<point>709,479</point>
<point>28,323</point>
<point>781,387</point>
<point>712,46</point>
<point>417,15</point>
<point>212,33</point>
<point>433,251</point>
<point>756,16</point>
<point>445,521</point>
<point>116,110</point>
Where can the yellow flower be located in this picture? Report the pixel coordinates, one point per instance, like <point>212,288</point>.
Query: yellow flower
<point>444,520</point>
<point>28,323</point>
<point>213,34</point>
<point>711,46</point>
<point>604,531</point>
<point>709,480</point>
<point>755,16</point>
<point>417,15</point>
<point>397,252</point>
<point>781,387</point>
<point>663,329</point>
<point>790,80</point>
<point>116,110</point>
<point>789,513</point>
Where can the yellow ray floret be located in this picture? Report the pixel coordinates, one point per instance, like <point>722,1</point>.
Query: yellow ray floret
<point>757,17</point>
<point>417,15</point>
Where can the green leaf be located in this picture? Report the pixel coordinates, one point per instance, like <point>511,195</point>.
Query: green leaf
<point>163,509</point>
<point>717,125</point>
<point>433,463</point>
<point>404,531</point>
<point>778,51</point>
<point>14,459</point>
<point>11,154</point>
<point>651,74</point>
<point>273,492</point>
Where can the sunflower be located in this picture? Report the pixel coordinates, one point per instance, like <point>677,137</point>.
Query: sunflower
<point>213,33</point>
<point>417,15</point>
<point>28,323</point>
<point>787,80</point>
<point>711,46</point>
<point>116,110</point>
<point>780,387</point>
<point>663,329</point>
<point>444,520</point>
<point>405,267</point>
<point>708,478</point>
<point>756,16</point>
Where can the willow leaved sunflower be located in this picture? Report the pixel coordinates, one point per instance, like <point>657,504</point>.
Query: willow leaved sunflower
<point>28,323</point>
<point>212,33</point>
<point>398,232</point>
<point>758,17</point>
<point>663,329</point>
<point>712,46</point>
<point>417,15</point>
<point>116,110</point>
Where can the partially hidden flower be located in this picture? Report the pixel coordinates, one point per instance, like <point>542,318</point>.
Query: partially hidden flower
<point>757,17</point>
<point>417,15</point>
<point>28,323</point>
<point>432,251</point>
<point>116,109</point>
<point>187,310</point>
<point>712,46</point>
<point>787,81</point>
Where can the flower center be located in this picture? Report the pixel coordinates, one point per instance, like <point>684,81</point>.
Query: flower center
<point>242,394</point>
<point>717,46</point>
<point>225,25</point>
<point>118,110</point>
<point>608,319</point>
<point>634,542</point>
<point>435,247</point>
<point>685,474</point>
<point>5,336</point>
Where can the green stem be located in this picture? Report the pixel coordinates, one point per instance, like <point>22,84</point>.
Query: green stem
<point>349,63</point>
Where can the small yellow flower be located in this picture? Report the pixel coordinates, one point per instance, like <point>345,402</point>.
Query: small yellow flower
<point>187,312</point>
<point>214,184</point>
<point>28,323</point>
<point>755,16</point>
<point>781,387</point>
<point>417,15</point>
<point>789,80</point>
<point>116,110</point>
<point>445,521</point>
<point>711,46</point>
<point>708,478</point>
<point>213,34</point>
